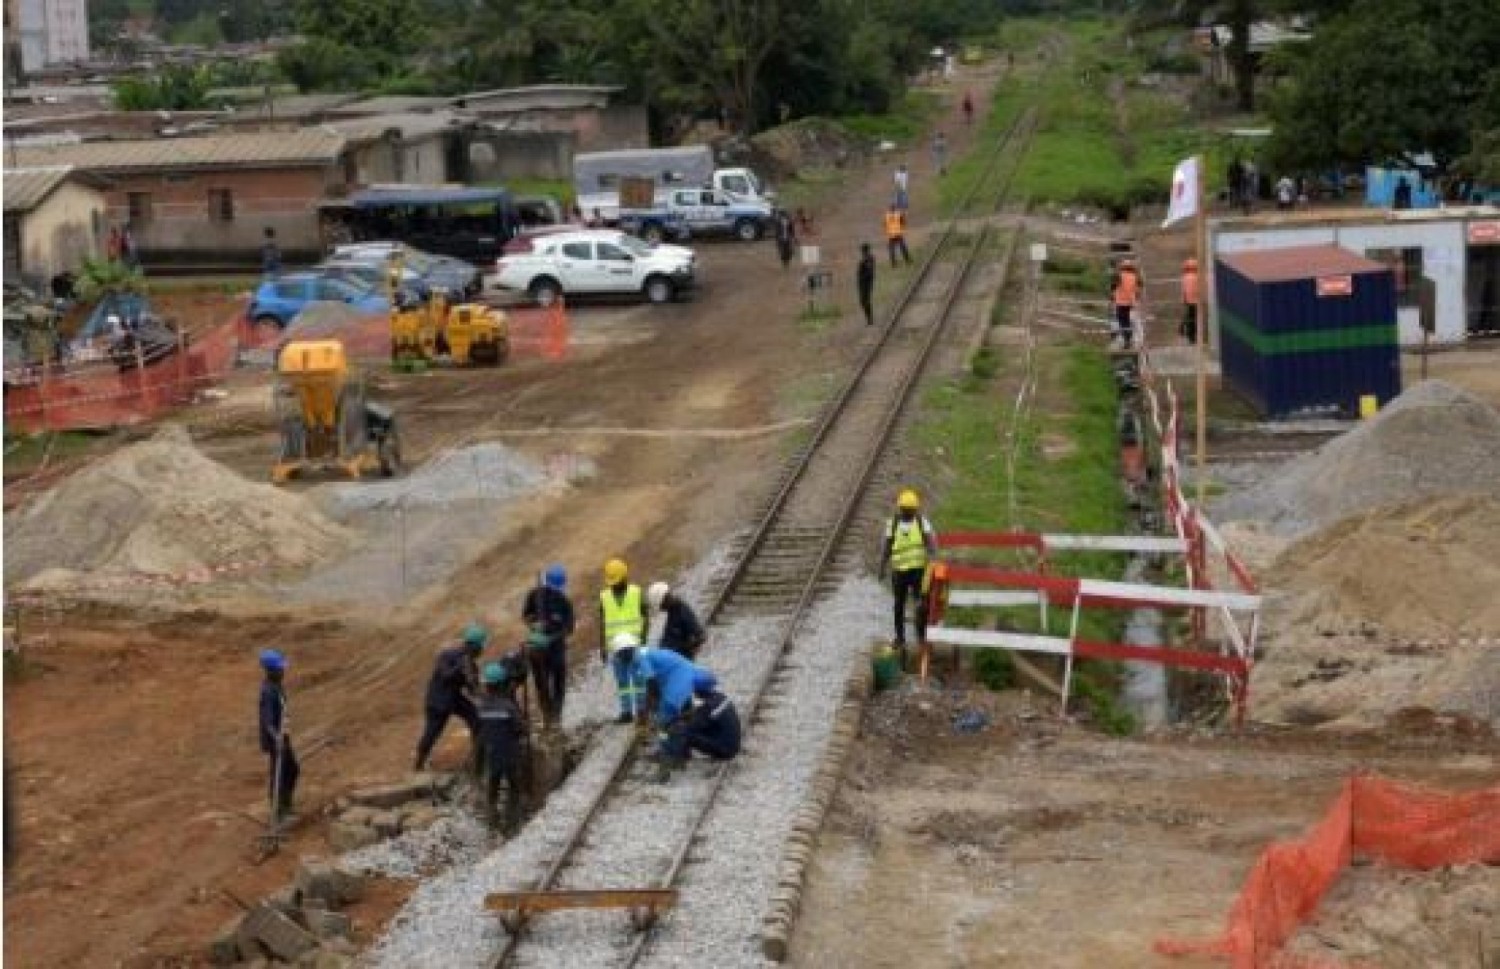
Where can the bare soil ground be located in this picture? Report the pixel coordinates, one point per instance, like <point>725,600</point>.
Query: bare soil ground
<point>130,726</point>
<point>1038,843</point>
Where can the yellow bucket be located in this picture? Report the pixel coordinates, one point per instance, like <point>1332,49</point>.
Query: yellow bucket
<point>1369,406</point>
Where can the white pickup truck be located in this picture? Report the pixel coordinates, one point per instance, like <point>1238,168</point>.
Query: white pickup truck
<point>597,177</point>
<point>597,262</point>
<point>695,212</point>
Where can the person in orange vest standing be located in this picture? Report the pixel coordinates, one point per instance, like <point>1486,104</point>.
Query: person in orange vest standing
<point>1125,294</point>
<point>895,235</point>
<point>1190,300</point>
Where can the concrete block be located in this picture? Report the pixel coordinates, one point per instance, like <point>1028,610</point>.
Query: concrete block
<point>358,814</point>
<point>418,787</point>
<point>281,937</point>
<point>773,945</point>
<point>333,883</point>
<point>225,948</point>
<point>325,924</point>
<point>387,824</point>
<point>419,818</point>
<point>287,899</point>
<point>344,837</point>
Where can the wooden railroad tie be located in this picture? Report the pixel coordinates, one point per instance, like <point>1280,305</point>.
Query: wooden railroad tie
<point>645,904</point>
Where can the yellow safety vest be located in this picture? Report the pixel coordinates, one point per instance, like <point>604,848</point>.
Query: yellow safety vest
<point>908,544</point>
<point>621,615</point>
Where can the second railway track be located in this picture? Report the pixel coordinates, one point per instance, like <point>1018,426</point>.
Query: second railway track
<point>636,834</point>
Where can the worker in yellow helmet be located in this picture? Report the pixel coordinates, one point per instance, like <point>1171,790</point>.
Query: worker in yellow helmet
<point>908,547</point>
<point>622,613</point>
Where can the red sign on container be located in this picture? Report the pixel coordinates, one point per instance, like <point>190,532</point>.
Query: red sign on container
<point>1335,285</point>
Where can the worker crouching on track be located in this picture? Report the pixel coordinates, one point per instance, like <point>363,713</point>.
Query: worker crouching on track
<point>672,681</point>
<point>622,612</point>
<point>455,675</point>
<point>548,613</point>
<point>908,547</point>
<point>502,734</point>
<point>681,632</point>
<point>276,738</point>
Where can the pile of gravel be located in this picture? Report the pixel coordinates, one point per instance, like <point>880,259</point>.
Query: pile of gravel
<point>480,472</point>
<point>451,840</point>
<point>1434,439</point>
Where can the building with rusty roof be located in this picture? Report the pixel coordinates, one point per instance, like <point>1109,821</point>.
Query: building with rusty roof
<point>54,219</point>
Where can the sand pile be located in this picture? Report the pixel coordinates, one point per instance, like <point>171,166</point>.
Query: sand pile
<point>1434,439</point>
<point>161,506</point>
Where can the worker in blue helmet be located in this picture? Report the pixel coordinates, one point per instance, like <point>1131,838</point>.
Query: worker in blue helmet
<point>276,738</point>
<point>548,614</point>
<point>671,681</point>
<point>502,735</point>
<point>455,677</point>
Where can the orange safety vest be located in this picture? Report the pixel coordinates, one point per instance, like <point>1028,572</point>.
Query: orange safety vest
<point>1190,287</point>
<point>895,225</point>
<point>1128,288</point>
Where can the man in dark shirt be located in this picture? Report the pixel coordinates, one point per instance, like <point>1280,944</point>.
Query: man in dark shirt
<point>866,280</point>
<point>682,633</point>
<point>548,612</point>
<point>275,737</point>
<point>502,732</point>
<point>455,674</point>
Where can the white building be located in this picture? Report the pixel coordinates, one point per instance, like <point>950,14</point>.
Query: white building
<point>49,31</point>
<point>1458,249</point>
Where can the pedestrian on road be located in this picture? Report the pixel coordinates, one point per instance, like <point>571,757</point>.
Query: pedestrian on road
<point>1189,329</point>
<point>865,276</point>
<point>903,189</point>
<point>622,613</point>
<point>1234,178</point>
<point>940,153</point>
<point>786,237</point>
<point>895,235</point>
<point>682,632</point>
<point>128,251</point>
<point>908,548</point>
<point>502,730</point>
<point>455,676</point>
<point>270,254</point>
<point>1401,197</point>
<point>1286,194</point>
<point>968,107</point>
<point>1124,295</point>
<point>548,614</point>
<point>276,738</point>
<point>1250,190</point>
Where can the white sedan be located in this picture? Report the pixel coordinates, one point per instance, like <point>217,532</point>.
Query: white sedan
<point>595,262</point>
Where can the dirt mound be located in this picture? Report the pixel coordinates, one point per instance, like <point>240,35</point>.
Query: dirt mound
<point>161,506</point>
<point>807,144</point>
<point>1434,439</point>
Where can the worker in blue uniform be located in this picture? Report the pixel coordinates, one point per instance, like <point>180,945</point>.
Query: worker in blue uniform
<point>502,732</point>
<point>276,738</point>
<point>455,675</point>
<point>548,614</point>
<point>671,681</point>
<point>713,726</point>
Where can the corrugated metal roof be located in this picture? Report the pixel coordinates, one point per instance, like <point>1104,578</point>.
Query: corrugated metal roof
<point>1299,262</point>
<point>389,104</point>
<point>26,188</point>
<point>410,124</point>
<point>306,146</point>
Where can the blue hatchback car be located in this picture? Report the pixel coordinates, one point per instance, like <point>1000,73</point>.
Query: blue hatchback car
<point>279,298</point>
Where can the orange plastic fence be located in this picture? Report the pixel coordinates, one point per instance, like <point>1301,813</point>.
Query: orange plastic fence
<point>1397,823</point>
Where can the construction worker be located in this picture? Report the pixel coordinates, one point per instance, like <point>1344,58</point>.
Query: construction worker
<point>671,680</point>
<point>940,153</point>
<point>1190,300</point>
<point>622,612</point>
<point>682,633</point>
<point>909,546</point>
<point>1124,295</point>
<point>865,278</point>
<point>276,738</point>
<point>902,199</point>
<point>455,675</point>
<point>548,614</point>
<point>502,729</point>
<point>968,107</point>
<point>895,235</point>
<point>713,727</point>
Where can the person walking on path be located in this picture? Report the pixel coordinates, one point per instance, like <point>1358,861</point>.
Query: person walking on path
<point>968,107</point>
<point>1124,295</point>
<point>276,738</point>
<point>940,153</point>
<point>455,675</point>
<point>1286,194</point>
<point>908,547</point>
<point>865,277</point>
<point>682,632</point>
<point>270,254</point>
<point>903,189</point>
<point>622,613</point>
<point>895,235</point>
<point>548,614</point>
<point>1189,328</point>
<point>502,729</point>
<point>786,237</point>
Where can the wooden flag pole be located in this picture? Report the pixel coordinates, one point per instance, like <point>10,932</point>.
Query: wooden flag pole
<point>1201,395</point>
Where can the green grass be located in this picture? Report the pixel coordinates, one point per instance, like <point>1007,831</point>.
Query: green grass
<point>24,452</point>
<point>904,123</point>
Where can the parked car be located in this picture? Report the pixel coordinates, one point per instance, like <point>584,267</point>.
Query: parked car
<point>529,237</point>
<point>683,212</point>
<point>372,276</point>
<point>280,298</point>
<point>595,262</point>
<point>440,272</point>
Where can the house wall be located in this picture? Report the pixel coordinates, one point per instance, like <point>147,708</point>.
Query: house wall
<point>520,154</point>
<point>59,233</point>
<point>1443,248</point>
<point>421,161</point>
<point>180,228</point>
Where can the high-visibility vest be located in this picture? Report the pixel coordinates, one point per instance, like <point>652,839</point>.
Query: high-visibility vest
<point>895,225</point>
<point>908,543</point>
<point>1190,287</point>
<point>1128,288</point>
<point>622,614</point>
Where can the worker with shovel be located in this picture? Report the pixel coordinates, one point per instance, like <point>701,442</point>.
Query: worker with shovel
<point>455,674</point>
<point>502,733</point>
<point>276,738</point>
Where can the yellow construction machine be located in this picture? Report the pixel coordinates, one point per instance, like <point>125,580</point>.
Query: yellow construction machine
<point>324,417</point>
<point>425,331</point>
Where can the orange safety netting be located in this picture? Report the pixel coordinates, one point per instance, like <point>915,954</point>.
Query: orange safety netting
<point>1397,823</point>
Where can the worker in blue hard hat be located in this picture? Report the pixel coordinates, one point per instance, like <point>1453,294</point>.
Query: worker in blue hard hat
<point>502,732</point>
<point>672,681</point>
<point>276,738</point>
<point>455,676</point>
<point>548,614</point>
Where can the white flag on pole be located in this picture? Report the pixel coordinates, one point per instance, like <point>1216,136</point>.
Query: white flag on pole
<point>1184,192</point>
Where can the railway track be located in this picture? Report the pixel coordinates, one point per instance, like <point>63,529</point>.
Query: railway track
<point>792,556</point>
